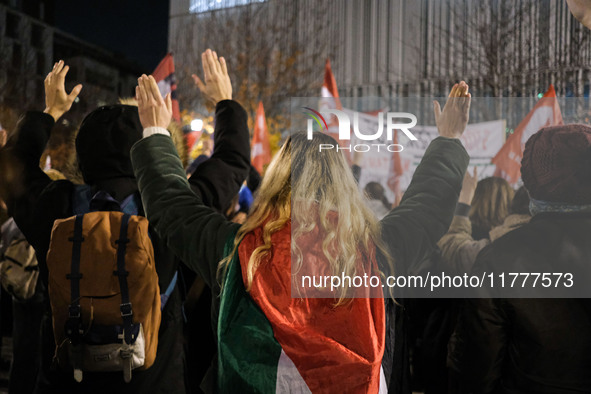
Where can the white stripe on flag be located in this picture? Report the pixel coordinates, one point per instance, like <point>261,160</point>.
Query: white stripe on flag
<point>257,149</point>
<point>383,384</point>
<point>289,379</point>
<point>325,92</point>
<point>164,87</point>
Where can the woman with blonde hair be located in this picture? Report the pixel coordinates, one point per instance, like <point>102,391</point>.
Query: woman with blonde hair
<point>282,326</point>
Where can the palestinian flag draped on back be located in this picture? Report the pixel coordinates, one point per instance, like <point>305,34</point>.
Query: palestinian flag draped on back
<point>269,342</point>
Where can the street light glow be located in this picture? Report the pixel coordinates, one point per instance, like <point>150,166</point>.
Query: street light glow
<point>196,125</point>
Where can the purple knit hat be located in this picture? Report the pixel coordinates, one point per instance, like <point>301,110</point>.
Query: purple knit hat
<point>556,164</point>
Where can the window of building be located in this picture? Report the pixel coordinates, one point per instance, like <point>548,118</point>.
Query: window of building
<point>210,5</point>
<point>37,36</point>
<point>39,89</point>
<point>41,69</point>
<point>98,78</point>
<point>73,72</point>
<point>17,55</point>
<point>12,25</point>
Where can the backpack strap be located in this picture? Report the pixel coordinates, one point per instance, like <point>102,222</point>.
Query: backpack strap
<point>126,310</point>
<point>121,273</point>
<point>81,199</point>
<point>74,322</point>
<point>166,295</point>
<point>103,201</point>
<point>131,204</point>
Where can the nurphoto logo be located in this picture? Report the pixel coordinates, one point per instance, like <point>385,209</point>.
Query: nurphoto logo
<point>380,141</point>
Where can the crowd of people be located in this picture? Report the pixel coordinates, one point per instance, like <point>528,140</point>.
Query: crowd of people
<point>151,276</point>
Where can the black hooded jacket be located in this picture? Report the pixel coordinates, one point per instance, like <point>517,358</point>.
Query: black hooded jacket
<point>103,145</point>
<point>529,345</point>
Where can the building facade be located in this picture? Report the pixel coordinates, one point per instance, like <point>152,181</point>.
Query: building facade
<point>399,48</point>
<point>29,46</point>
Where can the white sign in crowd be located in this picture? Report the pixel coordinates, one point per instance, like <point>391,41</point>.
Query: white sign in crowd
<point>482,141</point>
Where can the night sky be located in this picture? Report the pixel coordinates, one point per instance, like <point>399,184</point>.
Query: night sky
<point>138,29</point>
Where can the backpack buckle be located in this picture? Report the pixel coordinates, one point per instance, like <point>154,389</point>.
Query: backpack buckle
<point>126,309</point>
<point>77,276</point>
<point>74,311</point>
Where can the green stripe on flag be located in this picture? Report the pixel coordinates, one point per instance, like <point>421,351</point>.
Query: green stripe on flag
<point>248,352</point>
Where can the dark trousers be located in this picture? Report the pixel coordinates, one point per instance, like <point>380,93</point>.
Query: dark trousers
<point>26,344</point>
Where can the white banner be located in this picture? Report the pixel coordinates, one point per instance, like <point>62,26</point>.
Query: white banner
<point>481,140</point>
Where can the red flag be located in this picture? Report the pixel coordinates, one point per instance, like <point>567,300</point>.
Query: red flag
<point>260,150</point>
<point>329,87</point>
<point>191,138</point>
<point>164,76</point>
<point>330,100</point>
<point>546,112</point>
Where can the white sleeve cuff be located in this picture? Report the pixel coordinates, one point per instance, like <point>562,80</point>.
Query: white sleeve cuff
<point>148,131</point>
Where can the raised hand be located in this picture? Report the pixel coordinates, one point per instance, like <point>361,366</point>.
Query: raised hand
<point>452,121</point>
<point>217,86</point>
<point>57,101</point>
<point>154,111</point>
<point>468,187</point>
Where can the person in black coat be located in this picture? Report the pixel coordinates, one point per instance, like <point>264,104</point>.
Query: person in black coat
<point>103,148</point>
<point>513,344</point>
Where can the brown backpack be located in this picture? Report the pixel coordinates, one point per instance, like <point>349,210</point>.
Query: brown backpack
<point>104,293</point>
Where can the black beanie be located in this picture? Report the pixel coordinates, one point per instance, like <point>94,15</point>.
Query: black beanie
<point>104,142</point>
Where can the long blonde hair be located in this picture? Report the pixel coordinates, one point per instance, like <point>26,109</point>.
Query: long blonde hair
<point>318,182</point>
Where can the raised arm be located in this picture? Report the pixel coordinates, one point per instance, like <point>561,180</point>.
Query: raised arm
<point>219,178</point>
<point>22,179</point>
<point>195,233</point>
<point>35,128</point>
<point>458,248</point>
<point>412,229</point>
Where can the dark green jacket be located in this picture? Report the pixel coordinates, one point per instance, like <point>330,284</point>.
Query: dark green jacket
<point>197,234</point>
